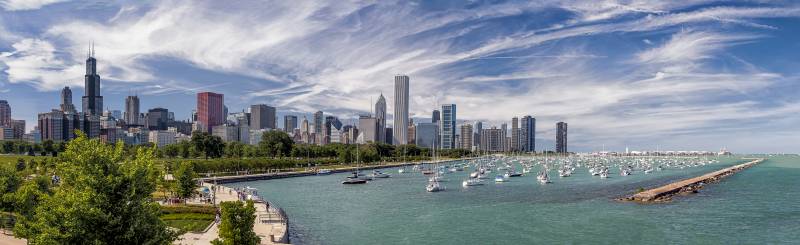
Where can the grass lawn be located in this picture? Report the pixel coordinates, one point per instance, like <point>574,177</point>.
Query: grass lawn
<point>188,218</point>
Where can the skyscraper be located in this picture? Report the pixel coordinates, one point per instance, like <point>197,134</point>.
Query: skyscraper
<point>263,117</point>
<point>466,136</point>
<point>476,138</point>
<point>401,84</point>
<point>380,116</point>
<point>561,137</point>
<point>412,131</point>
<point>5,114</point>
<point>157,119</point>
<point>66,100</point>
<point>426,134</point>
<point>319,118</point>
<point>132,110</point>
<point>528,132</point>
<point>515,134</point>
<point>210,110</point>
<point>289,123</point>
<point>436,116</point>
<point>367,127</point>
<point>92,101</point>
<point>447,126</point>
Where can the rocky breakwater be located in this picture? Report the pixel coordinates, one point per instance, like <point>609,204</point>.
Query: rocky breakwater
<point>687,186</point>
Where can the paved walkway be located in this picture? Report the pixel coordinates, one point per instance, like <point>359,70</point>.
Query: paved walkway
<point>268,221</point>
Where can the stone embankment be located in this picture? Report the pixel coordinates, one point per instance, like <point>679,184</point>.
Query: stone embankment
<point>692,185</point>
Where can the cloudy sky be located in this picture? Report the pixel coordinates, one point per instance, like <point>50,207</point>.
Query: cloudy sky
<point>691,74</point>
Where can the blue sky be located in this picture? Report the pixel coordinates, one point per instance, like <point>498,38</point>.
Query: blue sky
<point>677,75</point>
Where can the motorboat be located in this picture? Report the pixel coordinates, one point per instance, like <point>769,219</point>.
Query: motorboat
<point>324,172</point>
<point>433,186</point>
<point>499,178</point>
<point>471,182</point>
<point>401,170</point>
<point>542,177</point>
<point>474,175</point>
<point>378,174</point>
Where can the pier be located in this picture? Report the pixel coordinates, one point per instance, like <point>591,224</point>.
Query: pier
<point>692,185</point>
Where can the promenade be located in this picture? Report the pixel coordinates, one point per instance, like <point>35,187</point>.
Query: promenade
<point>665,193</point>
<point>270,222</point>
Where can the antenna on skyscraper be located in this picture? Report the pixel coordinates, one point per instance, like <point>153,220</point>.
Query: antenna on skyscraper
<point>92,49</point>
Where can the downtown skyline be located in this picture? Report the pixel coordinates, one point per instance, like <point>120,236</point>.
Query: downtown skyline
<point>682,81</point>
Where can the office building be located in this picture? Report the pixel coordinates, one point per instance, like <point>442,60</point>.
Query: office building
<point>492,140</point>
<point>515,134</point>
<point>380,116</point>
<point>210,110</point>
<point>92,101</point>
<point>368,129</point>
<point>412,131</point>
<point>66,100</point>
<point>437,115</point>
<point>466,136</point>
<point>401,91</point>
<point>477,128</point>
<point>162,138</point>
<point>157,119</point>
<point>132,110</point>
<point>447,127</point>
<point>263,117</point>
<point>528,132</point>
<point>561,137</point>
<point>5,114</point>
<point>426,134</point>
<point>289,123</point>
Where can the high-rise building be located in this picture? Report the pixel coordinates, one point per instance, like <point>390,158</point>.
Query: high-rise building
<point>289,123</point>
<point>401,91</point>
<point>528,132</point>
<point>476,138</point>
<point>412,131</point>
<point>66,100</point>
<point>426,134</point>
<point>263,117</point>
<point>515,134</point>
<point>466,136</point>
<point>210,110</point>
<point>448,126</point>
<point>60,127</point>
<point>380,116</point>
<point>504,134</point>
<point>92,101</point>
<point>436,116</point>
<point>5,114</point>
<point>319,118</point>
<point>368,128</point>
<point>492,140</point>
<point>561,137</point>
<point>18,127</point>
<point>157,119</point>
<point>132,110</point>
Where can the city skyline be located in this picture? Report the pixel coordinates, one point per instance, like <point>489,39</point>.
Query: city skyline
<point>657,92</point>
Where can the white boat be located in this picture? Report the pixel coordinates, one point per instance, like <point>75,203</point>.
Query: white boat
<point>323,172</point>
<point>474,175</point>
<point>499,178</point>
<point>543,178</point>
<point>604,175</point>
<point>433,187</point>
<point>471,182</point>
<point>401,170</point>
<point>378,174</point>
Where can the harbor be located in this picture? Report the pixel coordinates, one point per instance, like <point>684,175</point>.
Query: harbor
<point>521,210</point>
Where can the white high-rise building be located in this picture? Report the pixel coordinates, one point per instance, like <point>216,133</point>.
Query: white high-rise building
<point>400,133</point>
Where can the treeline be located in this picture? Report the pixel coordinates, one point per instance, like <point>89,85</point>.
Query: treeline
<point>20,147</point>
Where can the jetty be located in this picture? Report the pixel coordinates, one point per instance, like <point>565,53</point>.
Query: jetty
<point>692,185</point>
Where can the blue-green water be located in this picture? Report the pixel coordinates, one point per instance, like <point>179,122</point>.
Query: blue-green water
<point>760,205</point>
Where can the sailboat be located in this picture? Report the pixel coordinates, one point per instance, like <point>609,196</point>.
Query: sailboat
<point>355,178</point>
<point>433,182</point>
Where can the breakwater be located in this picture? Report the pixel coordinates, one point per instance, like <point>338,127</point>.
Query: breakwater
<point>692,185</point>
<point>281,175</point>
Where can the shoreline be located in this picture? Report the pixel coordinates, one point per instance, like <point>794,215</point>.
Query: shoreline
<point>267,176</point>
<point>692,185</point>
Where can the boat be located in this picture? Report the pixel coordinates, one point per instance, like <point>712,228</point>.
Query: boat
<point>514,174</point>
<point>604,175</point>
<point>542,177</point>
<point>354,181</point>
<point>474,175</point>
<point>251,194</point>
<point>324,172</point>
<point>428,172</point>
<point>378,174</point>
<point>499,178</point>
<point>433,186</point>
<point>471,182</point>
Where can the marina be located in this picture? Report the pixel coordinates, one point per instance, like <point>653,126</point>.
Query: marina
<point>521,210</point>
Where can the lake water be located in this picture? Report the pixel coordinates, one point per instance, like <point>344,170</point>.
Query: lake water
<point>760,205</point>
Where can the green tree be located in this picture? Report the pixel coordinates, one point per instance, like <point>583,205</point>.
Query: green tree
<point>20,164</point>
<point>276,144</point>
<point>9,182</point>
<point>236,227</point>
<point>234,149</point>
<point>171,151</point>
<point>49,147</point>
<point>185,184</point>
<point>211,146</point>
<point>30,194</point>
<point>103,198</point>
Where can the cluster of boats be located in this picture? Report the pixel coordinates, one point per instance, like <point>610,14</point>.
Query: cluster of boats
<point>506,167</point>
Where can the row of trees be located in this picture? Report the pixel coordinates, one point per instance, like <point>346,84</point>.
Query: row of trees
<point>47,147</point>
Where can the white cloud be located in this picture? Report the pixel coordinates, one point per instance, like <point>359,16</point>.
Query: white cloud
<point>34,61</point>
<point>15,5</point>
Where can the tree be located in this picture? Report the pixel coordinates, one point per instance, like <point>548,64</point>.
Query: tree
<point>20,164</point>
<point>184,176</point>
<point>49,146</point>
<point>234,149</point>
<point>276,144</point>
<point>171,151</point>
<point>9,182</point>
<point>237,223</point>
<point>210,145</point>
<point>104,198</point>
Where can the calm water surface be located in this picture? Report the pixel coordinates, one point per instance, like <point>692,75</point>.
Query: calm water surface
<point>760,205</point>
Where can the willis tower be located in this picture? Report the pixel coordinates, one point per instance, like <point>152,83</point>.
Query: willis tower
<point>92,101</point>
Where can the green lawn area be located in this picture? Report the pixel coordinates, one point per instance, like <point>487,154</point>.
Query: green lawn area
<point>188,218</point>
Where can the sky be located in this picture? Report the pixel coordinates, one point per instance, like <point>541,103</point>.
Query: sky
<point>643,74</point>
